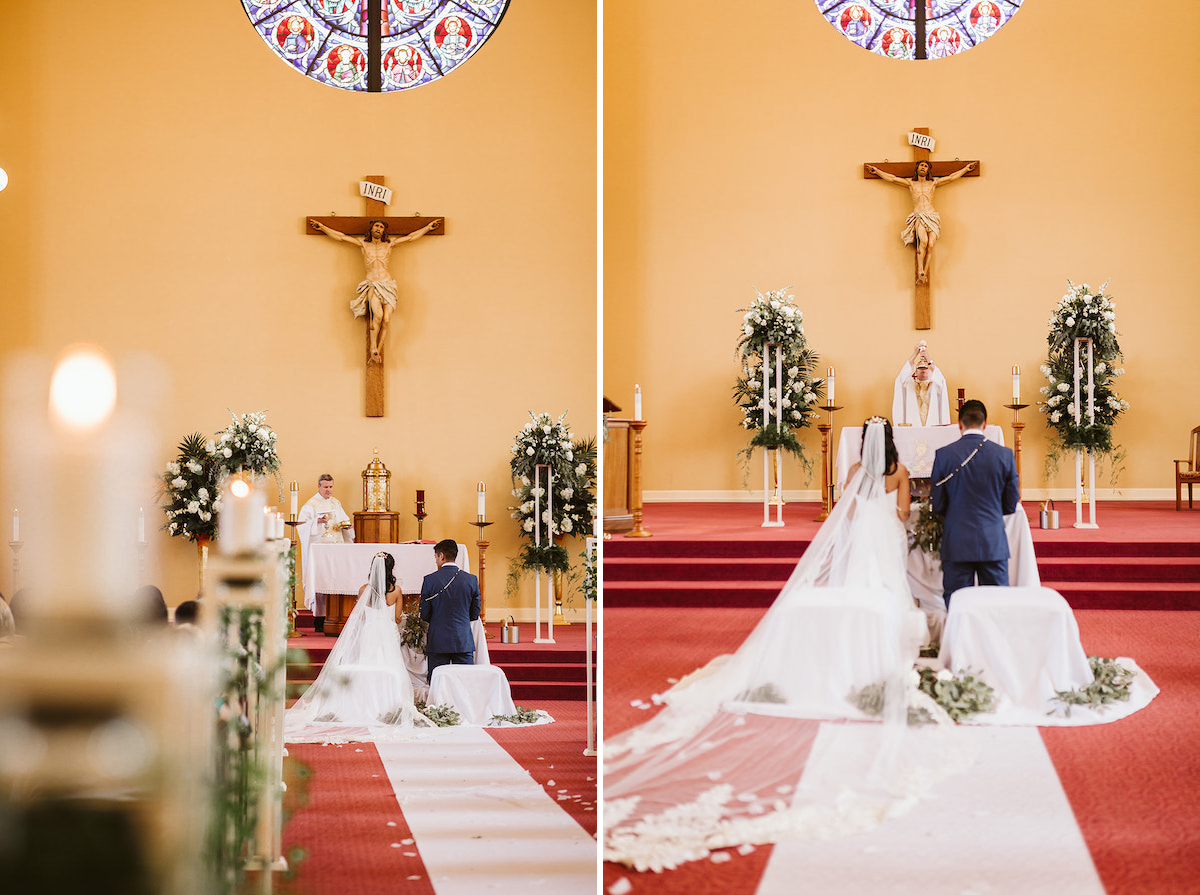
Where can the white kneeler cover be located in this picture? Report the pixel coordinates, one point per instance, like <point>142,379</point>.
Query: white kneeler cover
<point>476,692</point>
<point>1024,642</point>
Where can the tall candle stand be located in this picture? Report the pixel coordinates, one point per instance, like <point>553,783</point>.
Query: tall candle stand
<point>420,515</point>
<point>826,466</point>
<point>16,546</point>
<point>635,494</point>
<point>482,545</point>
<point>292,522</point>
<point>1017,427</point>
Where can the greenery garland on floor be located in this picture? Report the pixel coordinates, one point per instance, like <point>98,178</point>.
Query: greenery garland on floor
<point>774,319</point>
<point>1080,313</point>
<point>960,695</point>
<point>1111,683</point>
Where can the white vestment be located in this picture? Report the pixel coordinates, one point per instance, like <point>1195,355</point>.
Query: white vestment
<point>310,532</point>
<point>905,409</point>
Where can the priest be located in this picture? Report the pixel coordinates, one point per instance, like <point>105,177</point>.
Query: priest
<point>322,521</point>
<point>920,397</point>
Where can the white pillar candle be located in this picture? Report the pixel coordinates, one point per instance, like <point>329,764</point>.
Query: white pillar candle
<point>829,387</point>
<point>778,389</point>
<point>1016,374</point>
<point>294,508</point>
<point>141,525</point>
<point>240,525</point>
<point>766,395</point>
<point>481,499</point>
<point>268,523</point>
<point>16,525</point>
<point>279,525</point>
<point>637,402</point>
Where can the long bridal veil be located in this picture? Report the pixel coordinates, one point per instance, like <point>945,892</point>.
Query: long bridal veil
<point>363,691</point>
<point>767,744</point>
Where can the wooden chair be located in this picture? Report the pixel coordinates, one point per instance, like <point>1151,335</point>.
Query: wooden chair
<point>1191,475</point>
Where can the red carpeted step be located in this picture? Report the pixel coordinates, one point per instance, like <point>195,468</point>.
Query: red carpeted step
<point>1126,568</point>
<point>690,593</point>
<point>530,693</point>
<point>765,568</point>
<point>1127,595</point>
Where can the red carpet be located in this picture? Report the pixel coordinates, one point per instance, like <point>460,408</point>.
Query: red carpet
<point>347,804</point>
<point>1145,555</point>
<point>1133,784</point>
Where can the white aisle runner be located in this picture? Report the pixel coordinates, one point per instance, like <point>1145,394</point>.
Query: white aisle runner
<point>1000,827</point>
<point>482,823</point>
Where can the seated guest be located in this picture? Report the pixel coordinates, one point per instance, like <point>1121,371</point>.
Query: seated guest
<point>450,601</point>
<point>7,626</point>
<point>322,521</point>
<point>186,612</point>
<point>152,605</point>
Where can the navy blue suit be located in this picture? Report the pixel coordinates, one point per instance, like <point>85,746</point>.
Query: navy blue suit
<point>974,501</point>
<point>450,601</point>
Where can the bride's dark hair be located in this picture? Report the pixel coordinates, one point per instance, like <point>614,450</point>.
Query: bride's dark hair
<point>389,575</point>
<point>891,459</point>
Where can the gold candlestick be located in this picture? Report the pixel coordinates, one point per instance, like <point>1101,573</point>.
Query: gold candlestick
<point>292,522</point>
<point>635,492</point>
<point>826,466</point>
<point>482,546</point>
<point>1017,427</point>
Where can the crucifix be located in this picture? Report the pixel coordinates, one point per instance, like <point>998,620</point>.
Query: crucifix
<point>375,298</point>
<point>923,227</point>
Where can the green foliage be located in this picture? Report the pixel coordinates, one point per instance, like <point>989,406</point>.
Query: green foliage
<point>441,715</point>
<point>927,528</point>
<point>1111,684</point>
<point>960,695</point>
<point>521,716</point>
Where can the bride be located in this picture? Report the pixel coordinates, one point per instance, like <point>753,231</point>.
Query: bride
<point>758,746</point>
<point>363,692</point>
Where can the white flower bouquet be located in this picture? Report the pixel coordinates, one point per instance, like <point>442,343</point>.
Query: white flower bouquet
<point>191,497</point>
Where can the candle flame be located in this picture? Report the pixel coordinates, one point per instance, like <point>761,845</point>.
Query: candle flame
<point>83,388</point>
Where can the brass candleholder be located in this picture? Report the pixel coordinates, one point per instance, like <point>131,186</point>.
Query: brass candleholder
<point>420,515</point>
<point>482,545</point>
<point>292,522</point>
<point>826,466</point>
<point>1017,427</point>
<point>635,492</point>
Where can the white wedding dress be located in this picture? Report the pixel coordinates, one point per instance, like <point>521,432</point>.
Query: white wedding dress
<point>761,745</point>
<point>363,692</point>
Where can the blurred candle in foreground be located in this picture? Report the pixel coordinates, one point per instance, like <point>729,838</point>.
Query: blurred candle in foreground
<point>482,497</point>
<point>240,526</point>
<point>141,525</point>
<point>16,525</point>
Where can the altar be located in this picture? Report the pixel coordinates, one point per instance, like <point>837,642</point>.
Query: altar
<point>339,570</point>
<point>914,444</point>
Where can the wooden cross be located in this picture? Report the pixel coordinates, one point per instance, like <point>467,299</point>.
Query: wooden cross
<point>922,143</point>
<point>359,226</point>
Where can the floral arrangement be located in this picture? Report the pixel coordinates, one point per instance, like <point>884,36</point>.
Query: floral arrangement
<point>191,498</point>
<point>247,444</point>
<point>926,531</point>
<point>441,715</point>
<point>959,695</point>
<point>1111,684</point>
<point>570,509</point>
<point>414,631</point>
<point>1082,314</point>
<point>521,716</point>
<point>591,572</point>
<point>774,319</point>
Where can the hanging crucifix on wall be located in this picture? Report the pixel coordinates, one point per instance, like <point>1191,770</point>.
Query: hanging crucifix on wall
<point>924,226</point>
<point>375,298</point>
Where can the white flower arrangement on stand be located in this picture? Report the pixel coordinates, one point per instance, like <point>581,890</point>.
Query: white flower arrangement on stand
<point>1081,403</point>
<point>776,389</point>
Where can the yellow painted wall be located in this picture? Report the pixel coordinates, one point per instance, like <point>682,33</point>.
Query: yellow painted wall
<point>162,164</point>
<point>733,161</point>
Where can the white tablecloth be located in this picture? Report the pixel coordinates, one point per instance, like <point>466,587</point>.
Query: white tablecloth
<point>914,444</point>
<point>925,571</point>
<point>343,568</point>
<point>1022,640</point>
<point>417,666</point>
<point>476,692</point>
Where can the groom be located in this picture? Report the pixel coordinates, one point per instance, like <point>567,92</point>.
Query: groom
<point>974,488</point>
<point>449,603</point>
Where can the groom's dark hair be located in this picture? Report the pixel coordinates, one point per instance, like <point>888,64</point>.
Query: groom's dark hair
<point>972,414</point>
<point>448,548</point>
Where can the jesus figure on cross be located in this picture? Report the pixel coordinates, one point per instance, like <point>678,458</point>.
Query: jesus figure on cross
<point>923,225</point>
<point>377,291</point>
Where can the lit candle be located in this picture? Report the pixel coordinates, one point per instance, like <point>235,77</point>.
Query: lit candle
<point>295,504</point>
<point>829,387</point>
<point>481,497</point>
<point>1016,384</point>
<point>240,525</point>
<point>141,525</point>
<point>279,525</point>
<point>268,523</point>
<point>637,402</point>
<point>16,525</point>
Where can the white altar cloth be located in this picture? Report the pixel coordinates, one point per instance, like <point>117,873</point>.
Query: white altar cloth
<point>343,568</point>
<point>914,444</point>
<point>925,571</point>
<point>476,692</point>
